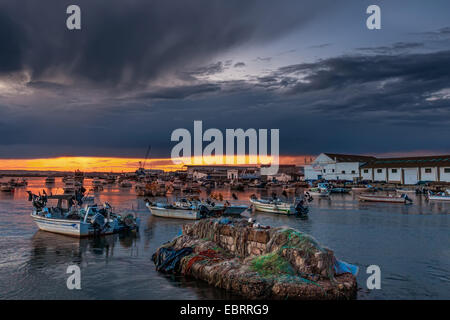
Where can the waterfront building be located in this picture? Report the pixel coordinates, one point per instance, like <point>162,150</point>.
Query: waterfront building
<point>333,166</point>
<point>408,170</point>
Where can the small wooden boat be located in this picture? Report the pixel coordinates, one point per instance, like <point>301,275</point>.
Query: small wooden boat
<point>273,206</point>
<point>389,198</point>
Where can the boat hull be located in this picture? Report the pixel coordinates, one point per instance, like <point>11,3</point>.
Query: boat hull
<point>175,213</point>
<point>73,228</point>
<point>439,198</point>
<point>273,208</point>
<point>382,199</point>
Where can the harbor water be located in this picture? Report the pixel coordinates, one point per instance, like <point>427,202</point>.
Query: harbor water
<point>410,244</point>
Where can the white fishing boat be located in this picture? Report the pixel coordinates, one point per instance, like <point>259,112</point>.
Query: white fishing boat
<point>438,196</point>
<point>387,198</point>
<point>273,206</point>
<point>66,219</point>
<point>179,210</point>
<point>317,192</point>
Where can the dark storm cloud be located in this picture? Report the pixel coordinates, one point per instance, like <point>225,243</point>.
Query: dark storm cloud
<point>132,42</point>
<point>431,71</point>
<point>239,65</point>
<point>139,69</point>
<point>353,103</point>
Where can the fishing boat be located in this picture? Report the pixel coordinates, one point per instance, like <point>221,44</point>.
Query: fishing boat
<point>273,206</point>
<point>67,219</point>
<point>438,196</point>
<point>388,198</point>
<point>182,209</point>
<point>317,192</point>
<point>64,218</point>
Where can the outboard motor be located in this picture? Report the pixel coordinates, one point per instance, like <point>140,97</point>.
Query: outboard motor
<point>301,210</point>
<point>203,211</point>
<point>405,196</point>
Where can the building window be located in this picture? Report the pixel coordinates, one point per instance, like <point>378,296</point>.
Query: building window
<point>366,170</point>
<point>427,170</point>
<point>379,170</point>
<point>394,170</point>
<point>332,170</point>
<point>447,170</point>
<point>353,171</point>
<point>343,171</point>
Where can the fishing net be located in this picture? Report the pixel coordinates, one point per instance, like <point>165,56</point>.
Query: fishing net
<point>259,263</point>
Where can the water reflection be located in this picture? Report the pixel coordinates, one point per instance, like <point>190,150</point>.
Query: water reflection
<point>408,242</point>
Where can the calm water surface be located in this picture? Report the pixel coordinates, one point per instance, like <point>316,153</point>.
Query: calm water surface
<point>410,243</point>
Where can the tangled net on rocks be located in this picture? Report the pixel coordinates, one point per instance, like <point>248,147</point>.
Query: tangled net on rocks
<point>257,263</point>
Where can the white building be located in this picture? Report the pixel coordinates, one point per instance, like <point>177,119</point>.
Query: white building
<point>331,166</point>
<point>408,170</point>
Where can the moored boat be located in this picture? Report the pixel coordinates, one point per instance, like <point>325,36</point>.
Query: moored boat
<point>182,209</point>
<point>317,192</point>
<point>273,206</point>
<point>438,196</point>
<point>388,198</point>
<point>67,219</point>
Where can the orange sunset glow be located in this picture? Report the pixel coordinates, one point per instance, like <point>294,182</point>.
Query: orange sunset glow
<point>111,164</point>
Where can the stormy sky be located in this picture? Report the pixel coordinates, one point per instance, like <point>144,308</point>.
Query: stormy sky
<point>139,69</point>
